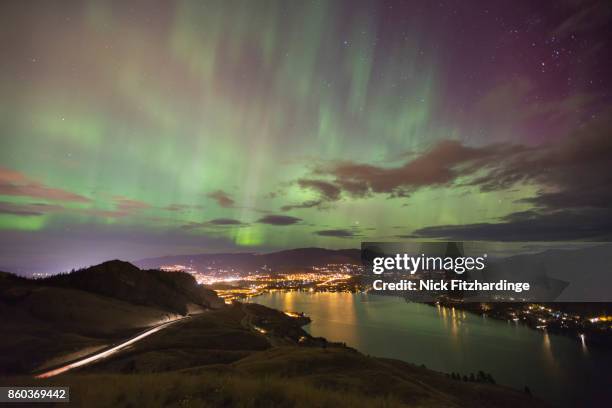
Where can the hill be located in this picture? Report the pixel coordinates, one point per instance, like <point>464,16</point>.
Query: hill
<point>248,355</point>
<point>63,317</point>
<point>177,292</point>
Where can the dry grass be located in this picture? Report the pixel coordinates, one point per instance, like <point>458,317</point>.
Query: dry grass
<point>203,390</point>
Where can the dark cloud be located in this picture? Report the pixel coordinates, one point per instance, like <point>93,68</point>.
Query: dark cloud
<point>574,173</point>
<point>225,221</point>
<point>575,197</point>
<point>328,191</point>
<point>181,207</point>
<point>441,165</point>
<point>217,222</point>
<point>279,220</point>
<point>28,209</point>
<point>564,225</point>
<point>222,198</point>
<point>14,183</point>
<point>337,233</point>
<point>305,204</point>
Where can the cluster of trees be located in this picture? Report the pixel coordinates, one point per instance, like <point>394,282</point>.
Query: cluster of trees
<point>481,377</point>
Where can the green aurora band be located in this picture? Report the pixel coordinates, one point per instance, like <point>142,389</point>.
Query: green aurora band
<point>164,119</point>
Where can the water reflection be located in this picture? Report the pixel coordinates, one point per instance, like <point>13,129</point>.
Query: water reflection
<point>548,354</point>
<point>557,368</point>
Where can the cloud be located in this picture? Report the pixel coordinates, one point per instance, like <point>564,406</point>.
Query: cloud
<point>181,207</point>
<point>573,173</point>
<point>124,204</point>
<point>326,190</point>
<point>35,209</point>
<point>564,225</point>
<point>337,233</point>
<point>443,164</point>
<point>216,223</point>
<point>305,204</point>
<point>329,191</point>
<point>124,207</point>
<point>222,198</point>
<point>225,221</point>
<point>575,196</point>
<point>279,220</point>
<point>14,183</point>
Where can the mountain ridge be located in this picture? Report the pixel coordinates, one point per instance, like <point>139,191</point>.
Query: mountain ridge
<point>279,260</point>
<point>173,291</point>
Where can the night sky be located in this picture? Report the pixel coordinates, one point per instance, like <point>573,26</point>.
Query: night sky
<point>132,129</point>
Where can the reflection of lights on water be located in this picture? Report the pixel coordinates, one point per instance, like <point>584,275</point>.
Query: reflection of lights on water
<point>548,354</point>
<point>546,341</point>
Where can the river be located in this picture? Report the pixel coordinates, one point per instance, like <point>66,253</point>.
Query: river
<point>559,369</point>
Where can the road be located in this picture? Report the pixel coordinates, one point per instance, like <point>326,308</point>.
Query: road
<point>103,354</point>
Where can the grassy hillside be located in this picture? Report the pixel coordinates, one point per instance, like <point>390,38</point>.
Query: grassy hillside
<point>217,359</point>
<point>286,377</point>
<point>214,337</point>
<point>40,323</point>
<point>58,319</point>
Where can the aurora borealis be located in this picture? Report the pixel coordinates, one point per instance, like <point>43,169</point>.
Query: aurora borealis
<point>133,129</point>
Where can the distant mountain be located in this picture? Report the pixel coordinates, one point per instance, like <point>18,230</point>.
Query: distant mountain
<point>173,291</point>
<point>276,261</point>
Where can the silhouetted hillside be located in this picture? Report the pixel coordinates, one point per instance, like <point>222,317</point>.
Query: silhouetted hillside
<point>69,315</point>
<point>177,292</point>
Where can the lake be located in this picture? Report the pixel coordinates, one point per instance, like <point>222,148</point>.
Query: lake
<point>556,368</point>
